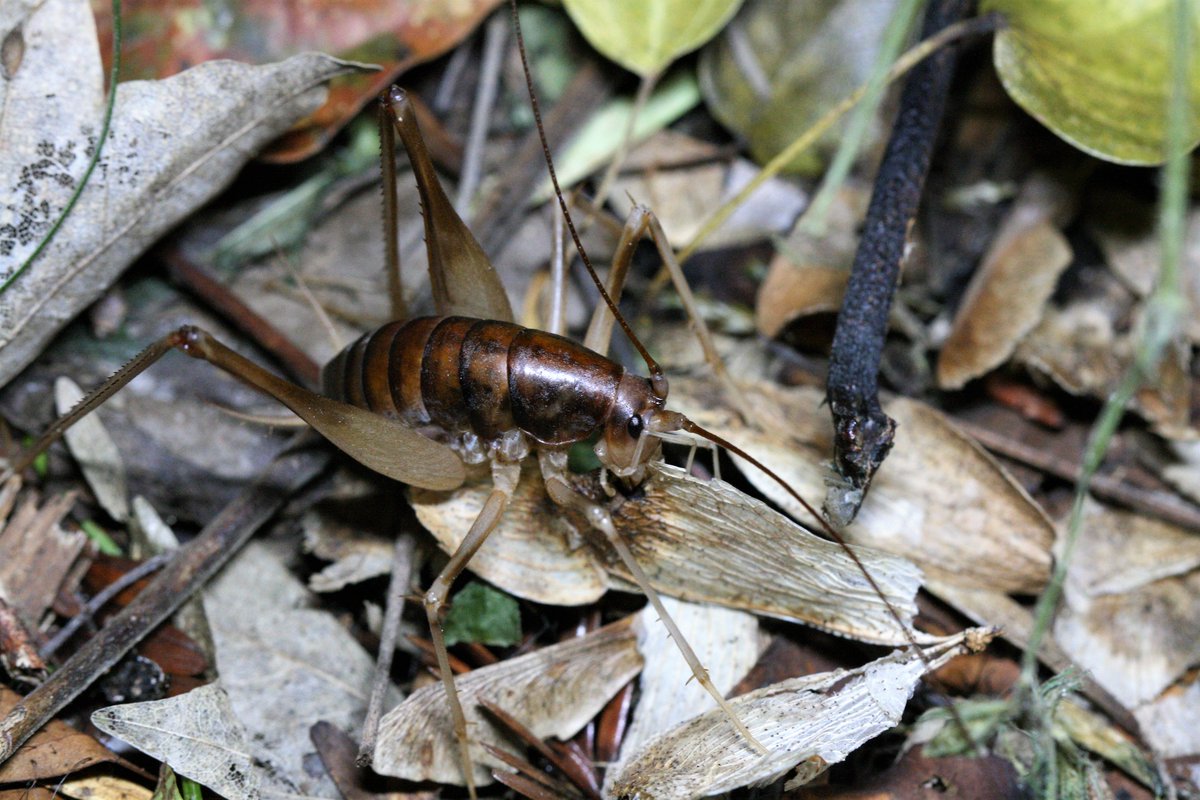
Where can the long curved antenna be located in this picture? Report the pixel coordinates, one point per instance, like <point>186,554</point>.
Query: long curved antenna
<point>657,378</point>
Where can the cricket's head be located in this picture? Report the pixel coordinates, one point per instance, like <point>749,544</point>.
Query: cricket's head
<point>637,413</point>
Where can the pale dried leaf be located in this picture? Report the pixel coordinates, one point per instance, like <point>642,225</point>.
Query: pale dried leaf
<point>1009,291</point>
<point>1119,551</point>
<point>684,199</point>
<point>173,144</point>
<point>96,453</point>
<point>705,541</point>
<point>696,540</point>
<point>1169,722</point>
<point>813,721</point>
<point>553,692</point>
<point>533,553</point>
<point>200,736</point>
<point>939,500</point>
<point>356,555</point>
<point>727,642</point>
<point>1137,643</point>
<point>283,668</point>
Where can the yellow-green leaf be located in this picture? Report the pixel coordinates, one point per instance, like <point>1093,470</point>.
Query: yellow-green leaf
<point>644,36</point>
<point>1096,72</point>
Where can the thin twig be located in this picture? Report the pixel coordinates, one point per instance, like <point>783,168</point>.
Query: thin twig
<point>494,39</point>
<point>191,568</point>
<point>100,599</point>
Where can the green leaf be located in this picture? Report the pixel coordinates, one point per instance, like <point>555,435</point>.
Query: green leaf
<point>790,63</point>
<point>482,614</point>
<point>644,36</point>
<point>1096,72</point>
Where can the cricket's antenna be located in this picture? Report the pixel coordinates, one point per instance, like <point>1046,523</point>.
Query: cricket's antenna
<point>657,377</point>
<point>824,524</point>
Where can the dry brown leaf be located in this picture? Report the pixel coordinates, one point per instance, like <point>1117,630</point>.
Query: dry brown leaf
<point>939,500</point>
<point>1009,291</point>
<point>104,787</point>
<point>814,721</point>
<point>55,750</point>
<point>790,292</point>
<point>553,692</point>
<point>172,145</point>
<point>1087,345</point>
<point>36,554</point>
<point>696,540</point>
<point>808,276</point>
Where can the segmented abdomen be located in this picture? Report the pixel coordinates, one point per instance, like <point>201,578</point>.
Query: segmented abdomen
<point>460,374</point>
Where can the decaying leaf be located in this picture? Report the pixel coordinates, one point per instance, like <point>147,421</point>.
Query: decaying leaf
<point>36,554</point>
<point>173,144</point>
<point>1086,346</point>
<point>1169,722</point>
<point>96,453</point>
<point>553,692</point>
<point>939,500</point>
<point>1132,610</point>
<point>684,198</point>
<point>283,667</point>
<point>163,37</point>
<point>1125,228</point>
<point>199,734</point>
<point>356,555</point>
<point>810,723</point>
<point>728,644</point>
<point>1009,290</point>
<point>696,540</point>
<point>104,787</point>
<point>809,274</point>
<point>540,562</point>
<point>54,751</point>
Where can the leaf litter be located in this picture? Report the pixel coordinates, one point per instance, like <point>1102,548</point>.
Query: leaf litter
<point>1023,530</point>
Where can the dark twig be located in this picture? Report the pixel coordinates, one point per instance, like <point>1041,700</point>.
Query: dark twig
<point>192,566</point>
<point>564,763</point>
<point>200,282</point>
<point>863,433</point>
<point>100,599</point>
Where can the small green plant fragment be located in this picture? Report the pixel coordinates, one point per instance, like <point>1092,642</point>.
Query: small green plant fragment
<point>104,543</point>
<point>168,786</point>
<point>1096,72</point>
<point>479,613</point>
<point>644,36</point>
<point>581,458</point>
